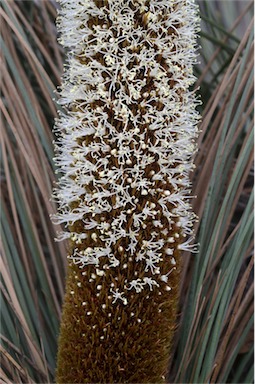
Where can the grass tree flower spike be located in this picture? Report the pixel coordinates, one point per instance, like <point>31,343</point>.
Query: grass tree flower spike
<point>125,145</point>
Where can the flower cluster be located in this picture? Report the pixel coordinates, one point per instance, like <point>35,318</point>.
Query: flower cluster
<point>126,139</point>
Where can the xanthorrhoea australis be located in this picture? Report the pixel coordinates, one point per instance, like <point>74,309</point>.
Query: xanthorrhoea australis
<point>125,147</point>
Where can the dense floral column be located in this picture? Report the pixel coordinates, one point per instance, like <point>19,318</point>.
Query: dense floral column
<point>125,145</point>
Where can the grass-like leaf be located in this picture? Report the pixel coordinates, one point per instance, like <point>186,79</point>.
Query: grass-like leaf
<point>33,265</point>
<point>208,346</point>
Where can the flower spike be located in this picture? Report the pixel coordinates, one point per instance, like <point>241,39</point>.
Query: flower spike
<point>125,147</point>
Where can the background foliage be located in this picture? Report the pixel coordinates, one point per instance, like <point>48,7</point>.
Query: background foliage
<point>214,335</point>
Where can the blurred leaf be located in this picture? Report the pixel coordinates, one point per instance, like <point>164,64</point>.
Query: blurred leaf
<point>33,264</point>
<point>219,277</point>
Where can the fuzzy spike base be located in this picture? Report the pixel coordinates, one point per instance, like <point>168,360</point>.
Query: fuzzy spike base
<point>105,343</point>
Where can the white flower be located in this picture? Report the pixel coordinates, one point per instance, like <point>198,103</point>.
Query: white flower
<point>118,296</point>
<point>126,139</point>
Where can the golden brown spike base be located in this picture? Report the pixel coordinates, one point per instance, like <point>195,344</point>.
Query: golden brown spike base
<point>101,342</point>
